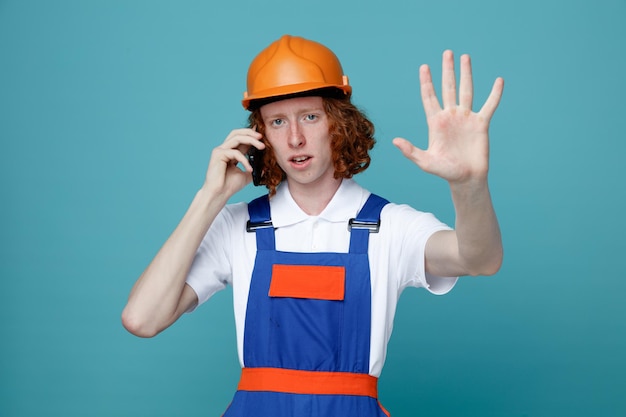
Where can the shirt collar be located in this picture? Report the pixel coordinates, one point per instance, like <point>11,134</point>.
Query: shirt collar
<point>344,205</point>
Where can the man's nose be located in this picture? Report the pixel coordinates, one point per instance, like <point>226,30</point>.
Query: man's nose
<point>296,136</point>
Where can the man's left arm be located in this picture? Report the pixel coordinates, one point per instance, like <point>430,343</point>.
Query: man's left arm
<point>458,151</point>
<point>475,246</point>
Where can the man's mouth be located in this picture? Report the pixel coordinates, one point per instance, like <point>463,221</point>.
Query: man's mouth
<point>300,159</point>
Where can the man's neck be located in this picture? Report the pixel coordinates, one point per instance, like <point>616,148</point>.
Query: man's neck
<point>313,199</point>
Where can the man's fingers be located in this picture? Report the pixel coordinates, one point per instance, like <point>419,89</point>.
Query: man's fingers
<point>448,80</point>
<point>242,139</point>
<point>466,88</point>
<point>234,157</point>
<point>409,150</point>
<point>491,104</point>
<point>427,90</point>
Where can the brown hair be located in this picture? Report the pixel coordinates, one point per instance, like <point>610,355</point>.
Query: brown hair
<point>351,135</point>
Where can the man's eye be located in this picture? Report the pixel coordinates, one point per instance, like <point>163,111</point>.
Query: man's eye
<point>277,122</point>
<point>311,116</point>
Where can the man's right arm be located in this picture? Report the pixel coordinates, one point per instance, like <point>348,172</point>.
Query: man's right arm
<point>160,295</point>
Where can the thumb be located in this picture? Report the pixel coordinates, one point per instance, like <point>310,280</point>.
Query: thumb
<point>410,151</point>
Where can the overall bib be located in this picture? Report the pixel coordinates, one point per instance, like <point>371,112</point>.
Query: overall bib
<point>307,328</point>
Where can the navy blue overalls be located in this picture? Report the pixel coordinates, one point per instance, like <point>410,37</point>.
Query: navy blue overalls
<point>307,329</point>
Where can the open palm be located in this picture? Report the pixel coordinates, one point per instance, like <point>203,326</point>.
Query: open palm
<point>458,138</point>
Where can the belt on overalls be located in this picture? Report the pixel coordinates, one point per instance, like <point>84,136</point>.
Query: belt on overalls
<point>296,381</point>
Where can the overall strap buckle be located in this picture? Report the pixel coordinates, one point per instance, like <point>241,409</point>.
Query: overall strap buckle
<point>254,226</point>
<point>372,226</point>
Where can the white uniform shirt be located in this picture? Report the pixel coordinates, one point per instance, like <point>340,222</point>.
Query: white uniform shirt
<point>396,254</point>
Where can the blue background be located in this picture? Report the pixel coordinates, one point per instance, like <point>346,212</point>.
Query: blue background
<point>109,111</point>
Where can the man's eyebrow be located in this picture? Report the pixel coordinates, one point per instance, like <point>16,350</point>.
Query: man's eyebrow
<point>303,111</point>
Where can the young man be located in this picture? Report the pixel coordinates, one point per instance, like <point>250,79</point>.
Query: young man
<point>318,265</point>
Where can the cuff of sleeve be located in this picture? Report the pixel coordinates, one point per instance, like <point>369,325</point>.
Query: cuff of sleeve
<point>203,294</point>
<point>439,285</point>
<point>193,308</point>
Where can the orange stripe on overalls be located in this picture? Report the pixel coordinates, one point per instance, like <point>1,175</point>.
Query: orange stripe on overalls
<point>308,382</point>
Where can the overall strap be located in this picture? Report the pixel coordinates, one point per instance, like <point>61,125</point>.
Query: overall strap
<point>366,222</point>
<point>261,223</point>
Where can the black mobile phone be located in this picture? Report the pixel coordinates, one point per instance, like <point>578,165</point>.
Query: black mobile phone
<point>255,157</point>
